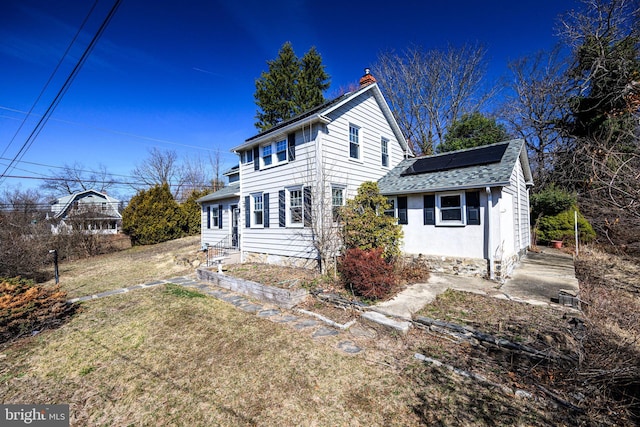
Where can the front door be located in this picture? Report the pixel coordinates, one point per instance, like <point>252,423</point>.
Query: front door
<point>235,213</point>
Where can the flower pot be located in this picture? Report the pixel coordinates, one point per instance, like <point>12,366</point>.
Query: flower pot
<point>557,244</point>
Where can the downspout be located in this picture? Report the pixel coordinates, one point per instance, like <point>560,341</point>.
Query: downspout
<point>492,267</point>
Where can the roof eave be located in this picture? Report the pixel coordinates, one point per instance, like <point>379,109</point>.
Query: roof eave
<point>445,189</point>
<point>283,130</point>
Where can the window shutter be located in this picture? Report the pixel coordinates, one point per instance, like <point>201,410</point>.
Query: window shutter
<point>291,146</point>
<point>219,216</point>
<point>403,217</point>
<point>265,207</point>
<point>256,158</point>
<point>247,212</point>
<point>473,207</point>
<point>208,216</point>
<point>429,211</point>
<point>307,206</point>
<point>282,209</point>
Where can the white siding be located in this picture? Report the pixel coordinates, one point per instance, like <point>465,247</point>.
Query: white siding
<point>322,158</point>
<point>215,235</point>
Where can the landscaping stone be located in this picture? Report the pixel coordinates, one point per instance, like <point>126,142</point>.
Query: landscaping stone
<point>349,347</point>
<point>284,319</point>
<point>324,332</point>
<point>251,308</point>
<point>305,324</point>
<point>388,322</point>
<point>268,313</point>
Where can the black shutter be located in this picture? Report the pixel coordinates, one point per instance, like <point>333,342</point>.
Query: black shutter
<point>429,211</point>
<point>256,158</point>
<point>307,207</point>
<point>208,216</point>
<point>247,212</point>
<point>291,146</point>
<point>472,199</point>
<point>282,209</point>
<point>219,216</point>
<point>403,217</point>
<point>265,200</point>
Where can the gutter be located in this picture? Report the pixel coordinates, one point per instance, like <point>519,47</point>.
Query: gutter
<point>492,267</point>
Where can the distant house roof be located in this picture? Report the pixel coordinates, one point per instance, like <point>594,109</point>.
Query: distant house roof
<point>230,191</point>
<point>486,166</point>
<point>318,114</point>
<point>61,206</point>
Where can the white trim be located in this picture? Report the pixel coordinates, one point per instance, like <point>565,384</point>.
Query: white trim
<point>287,206</point>
<point>463,214</point>
<point>252,210</point>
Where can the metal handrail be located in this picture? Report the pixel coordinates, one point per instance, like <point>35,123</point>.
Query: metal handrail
<point>217,250</point>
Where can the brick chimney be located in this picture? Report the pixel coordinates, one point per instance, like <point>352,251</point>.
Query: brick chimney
<point>367,78</point>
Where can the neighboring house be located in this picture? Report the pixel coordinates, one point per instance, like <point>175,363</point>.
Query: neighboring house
<point>467,211</point>
<point>281,206</point>
<point>89,210</point>
<point>220,212</point>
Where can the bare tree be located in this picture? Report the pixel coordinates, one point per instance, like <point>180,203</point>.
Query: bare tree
<point>537,104</point>
<point>73,178</point>
<point>428,90</point>
<point>160,167</point>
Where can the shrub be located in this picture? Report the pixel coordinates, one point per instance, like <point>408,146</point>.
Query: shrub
<point>191,212</point>
<point>367,273</point>
<point>153,216</point>
<point>561,227</point>
<point>25,306</point>
<point>549,202</point>
<point>365,226</point>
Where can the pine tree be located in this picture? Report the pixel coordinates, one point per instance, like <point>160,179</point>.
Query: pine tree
<point>291,86</point>
<point>313,81</point>
<point>472,130</point>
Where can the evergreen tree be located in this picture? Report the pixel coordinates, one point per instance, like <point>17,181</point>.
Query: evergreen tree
<point>291,86</point>
<point>472,130</point>
<point>153,216</point>
<point>313,81</point>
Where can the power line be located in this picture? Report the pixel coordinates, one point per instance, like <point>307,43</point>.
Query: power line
<point>52,106</point>
<point>53,73</point>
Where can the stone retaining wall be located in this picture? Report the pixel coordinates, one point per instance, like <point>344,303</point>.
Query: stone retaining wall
<point>281,297</point>
<point>471,267</point>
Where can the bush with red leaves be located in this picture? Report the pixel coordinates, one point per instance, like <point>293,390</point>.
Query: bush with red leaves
<point>367,273</point>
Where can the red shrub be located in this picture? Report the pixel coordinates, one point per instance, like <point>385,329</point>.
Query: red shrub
<point>367,274</point>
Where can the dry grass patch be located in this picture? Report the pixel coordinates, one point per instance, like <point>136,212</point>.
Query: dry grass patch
<point>157,358</point>
<point>140,264</point>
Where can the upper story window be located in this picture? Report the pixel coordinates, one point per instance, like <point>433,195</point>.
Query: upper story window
<point>337,202</point>
<point>267,158</point>
<point>247,156</point>
<point>274,153</point>
<point>354,142</point>
<point>384,148</point>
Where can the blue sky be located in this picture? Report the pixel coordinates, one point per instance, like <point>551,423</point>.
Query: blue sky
<point>181,75</point>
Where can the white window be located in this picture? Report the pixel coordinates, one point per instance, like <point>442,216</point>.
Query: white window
<point>267,159</point>
<point>337,201</point>
<point>450,209</point>
<point>354,142</point>
<point>258,209</point>
<point>295,207</point>
<point>391,208</point>
<point>274,153</point>
<point>384,148</point>
<point>215,217</point>
<point>281,151</point>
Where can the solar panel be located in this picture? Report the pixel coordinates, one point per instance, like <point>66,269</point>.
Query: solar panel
<point>461,159</point>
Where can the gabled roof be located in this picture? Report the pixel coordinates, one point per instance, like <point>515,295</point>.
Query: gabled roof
<point>486,166</point>
<point>66,201</point>
<point>319,114</point>
<point>228,192</point>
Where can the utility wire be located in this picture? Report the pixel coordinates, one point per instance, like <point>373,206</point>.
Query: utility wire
<point>55,70</point>
<point>36,131</point>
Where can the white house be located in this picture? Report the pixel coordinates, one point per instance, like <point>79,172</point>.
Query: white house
<point>89,210</point>
<point>467,211</point>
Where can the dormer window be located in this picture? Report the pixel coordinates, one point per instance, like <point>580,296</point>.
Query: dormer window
<point>274,153</point>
